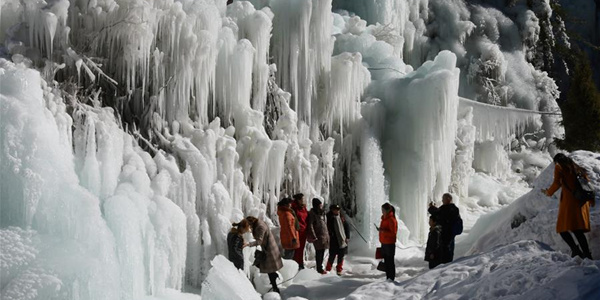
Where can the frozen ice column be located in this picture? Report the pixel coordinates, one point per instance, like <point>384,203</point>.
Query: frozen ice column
<point>418,142</point>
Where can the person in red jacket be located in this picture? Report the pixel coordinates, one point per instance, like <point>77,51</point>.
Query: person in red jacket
<point>299,207</point>
<point>288,228</point>
<point>388,230</point>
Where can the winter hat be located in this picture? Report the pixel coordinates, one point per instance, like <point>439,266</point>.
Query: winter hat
<point>334,207</point>
<point>284,202</point>
<point>316,202</point>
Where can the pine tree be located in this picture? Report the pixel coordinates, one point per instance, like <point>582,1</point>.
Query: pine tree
<point>581,110</point>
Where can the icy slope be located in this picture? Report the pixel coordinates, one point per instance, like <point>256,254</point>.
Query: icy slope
<point>522,270</point>
<point>533,216</point>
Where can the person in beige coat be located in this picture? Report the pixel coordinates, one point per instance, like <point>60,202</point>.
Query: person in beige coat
<point>572,215</point>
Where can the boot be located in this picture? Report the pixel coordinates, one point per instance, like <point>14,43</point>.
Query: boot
<point>339,268</point>
<point>273,279</point>
<point>329,266</point>
<point>576,252</point>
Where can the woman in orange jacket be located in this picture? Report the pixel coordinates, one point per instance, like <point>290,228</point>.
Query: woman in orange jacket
<point>289,228</point>
<point>388,230</point>
<point>572,215</point>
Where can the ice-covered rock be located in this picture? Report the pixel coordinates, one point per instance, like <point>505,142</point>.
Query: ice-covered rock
<point>225,281</point>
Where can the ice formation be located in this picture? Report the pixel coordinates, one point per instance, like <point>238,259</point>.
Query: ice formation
<point>152,125</point>
<point>225,281</point>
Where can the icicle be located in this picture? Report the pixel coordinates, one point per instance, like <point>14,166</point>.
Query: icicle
<point>498,122</point>
<point>348,79</point>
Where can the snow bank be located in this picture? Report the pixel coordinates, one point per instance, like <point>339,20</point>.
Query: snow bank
<point>533,216</point>
<point>521,270</point>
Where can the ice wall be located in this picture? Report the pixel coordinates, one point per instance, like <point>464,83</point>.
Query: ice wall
<point>41,192</point>
<point>106,220</point>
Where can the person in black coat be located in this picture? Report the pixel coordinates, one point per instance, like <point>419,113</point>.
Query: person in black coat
<point>433,251</point>
<point>339,235</point>
<point>447,216</point>
<point>235,243</point>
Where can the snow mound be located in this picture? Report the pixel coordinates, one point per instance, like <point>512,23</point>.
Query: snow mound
<point>533,216</point>
<point>522,270</point>
<point>225,282</point>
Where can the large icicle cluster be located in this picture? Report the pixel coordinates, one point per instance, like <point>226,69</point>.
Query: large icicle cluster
<point>418,142</point>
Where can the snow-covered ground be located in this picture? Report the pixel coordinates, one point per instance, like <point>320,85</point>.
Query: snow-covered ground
<point>494,259</point>
<point>521,270</point>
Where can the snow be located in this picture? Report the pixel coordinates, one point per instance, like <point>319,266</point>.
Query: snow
<point>225,281</point>
<point>533,215</point>
<point>525,269</point>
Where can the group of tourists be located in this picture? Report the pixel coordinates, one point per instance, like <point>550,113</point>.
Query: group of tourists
<point>297,227</point>
<point>330,231</point>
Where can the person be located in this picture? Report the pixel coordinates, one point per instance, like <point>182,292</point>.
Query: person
<point>299,207</point>
<point>317,233</point>
<point>572,216</point>
<point>388,229</point>
<point>272,258</point>
<point>447,216</point>
<point>288,224</point>
<point>235,243</point>
<point>339,234</point>
<point>433,250</point>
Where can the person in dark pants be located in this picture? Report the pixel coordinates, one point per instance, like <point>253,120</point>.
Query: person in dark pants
<point>447,216</point>
<point>339,235</point>
<point>271,262</point>
<point>317,233</point>
<point>299,207</point>
<point>388,230</point>
<point>235,243</point>
<point>573,216</point>
<point>433,251</point>
<point>288,234</point>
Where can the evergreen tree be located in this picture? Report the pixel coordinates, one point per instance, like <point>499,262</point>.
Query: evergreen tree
<point>581,110</point>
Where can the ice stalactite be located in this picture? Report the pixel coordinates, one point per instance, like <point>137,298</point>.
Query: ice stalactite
<point>291,50</point>
<point>462,163</point>
<point>371,190</point>
<point>418,147</point>
<point>302,47</point>
<point>348,80</point>
<point>255,25</point>
<point>497,122</point>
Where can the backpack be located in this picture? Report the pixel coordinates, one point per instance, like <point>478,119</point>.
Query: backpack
<point>583,190</point>
<point>457,226</point>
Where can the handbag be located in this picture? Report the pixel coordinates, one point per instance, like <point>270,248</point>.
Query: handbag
<point>381,266</point>
<point>259,257</point>
<point>583,190</point>
<point>378,254</point>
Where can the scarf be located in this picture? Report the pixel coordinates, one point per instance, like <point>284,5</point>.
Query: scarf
<point>339,231</point>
